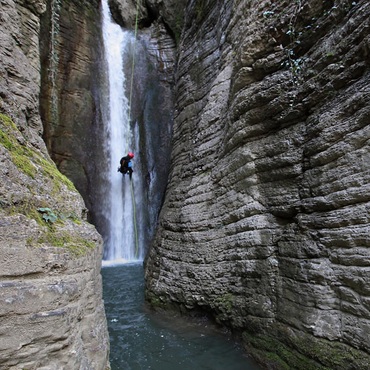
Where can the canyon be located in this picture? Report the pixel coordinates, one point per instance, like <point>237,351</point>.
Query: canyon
<point>257,114</point>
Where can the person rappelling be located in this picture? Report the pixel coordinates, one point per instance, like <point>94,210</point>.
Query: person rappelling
<point>126,165</point>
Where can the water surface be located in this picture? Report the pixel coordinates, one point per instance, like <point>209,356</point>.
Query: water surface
<point>143,340</point>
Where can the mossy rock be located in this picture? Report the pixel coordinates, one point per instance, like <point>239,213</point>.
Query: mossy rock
<point>303,352</point>
<point>38,191</point>
<point>27,159</point>
<point>277,355</point>
<point>46,184</point>
<point>75,244</point>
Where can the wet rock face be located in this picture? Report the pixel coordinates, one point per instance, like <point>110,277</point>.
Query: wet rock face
<point>266,219</point>
<point>152,111</point>
<point>128,13</point>
<point>71,94</point>
<point>52,313</point>
<point>20,65</point>
<point>158,31</point>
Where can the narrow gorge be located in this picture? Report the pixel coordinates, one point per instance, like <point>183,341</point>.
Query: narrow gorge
<point>250,123</point>
<point>265,224</point>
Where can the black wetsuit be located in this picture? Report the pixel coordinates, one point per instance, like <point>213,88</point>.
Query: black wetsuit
<point>126,166</point>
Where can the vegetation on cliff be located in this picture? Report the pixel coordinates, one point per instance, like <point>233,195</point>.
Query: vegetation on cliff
<point>46,195</point>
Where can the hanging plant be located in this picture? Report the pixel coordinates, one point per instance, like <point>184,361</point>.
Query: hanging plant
<point>48,215</point>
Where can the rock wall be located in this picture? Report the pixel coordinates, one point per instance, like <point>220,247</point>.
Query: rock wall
<point>152,111</point>
<point>20,66</point>
<point>265,222</point>
<point>52,313</point>
<point>72,93</point>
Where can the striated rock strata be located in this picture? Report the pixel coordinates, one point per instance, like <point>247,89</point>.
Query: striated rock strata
<point>71,51</point>
<point>265,224</point>
<point>51,309</point>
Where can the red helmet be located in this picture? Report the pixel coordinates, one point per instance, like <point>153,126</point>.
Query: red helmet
<point>130,154</point>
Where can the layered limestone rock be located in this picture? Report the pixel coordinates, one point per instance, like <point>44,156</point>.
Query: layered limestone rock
<point>52,313</point>
<point>132,13</point>
<point>20,66</point>
<point>266,218</point>
<point>152,111</point>
<point>72,93</point>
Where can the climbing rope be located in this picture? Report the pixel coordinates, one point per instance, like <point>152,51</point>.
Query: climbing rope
<point>134,216</point>
<point>133,59</point>
<point>129,119</point>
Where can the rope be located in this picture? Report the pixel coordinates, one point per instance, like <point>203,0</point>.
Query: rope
<point>129,118</point>
<point>133,61</point>
<point>134,215</point>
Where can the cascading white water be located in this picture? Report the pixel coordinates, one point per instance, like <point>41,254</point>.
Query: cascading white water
<point>121,244</point>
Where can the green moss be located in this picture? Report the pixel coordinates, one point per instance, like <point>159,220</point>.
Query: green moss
<point>331,353</point>
<point>32,163</point>
<point>156,302</point>
<point>54,239</point>
<point>303,351</point>
<point>18,153</point>
<point>76,220</point>
<point>27,160</point>
<point>276,360</point>
<point>76,245</point>
<point>7,121</point>
<point>50,169</point>
<point>30,207</point>
<point>27,208</point>
<point>5,141</point>
<point>274,352</point>
<point>53,235</point>
<point>23,163</point>
<point>33,214</point>
<point>225,302</point>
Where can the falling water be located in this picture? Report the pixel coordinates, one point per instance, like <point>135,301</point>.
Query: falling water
<point>138,338</point>
<point>121,242</point>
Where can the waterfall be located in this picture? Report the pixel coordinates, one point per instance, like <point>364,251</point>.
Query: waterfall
<point>122,243</point>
